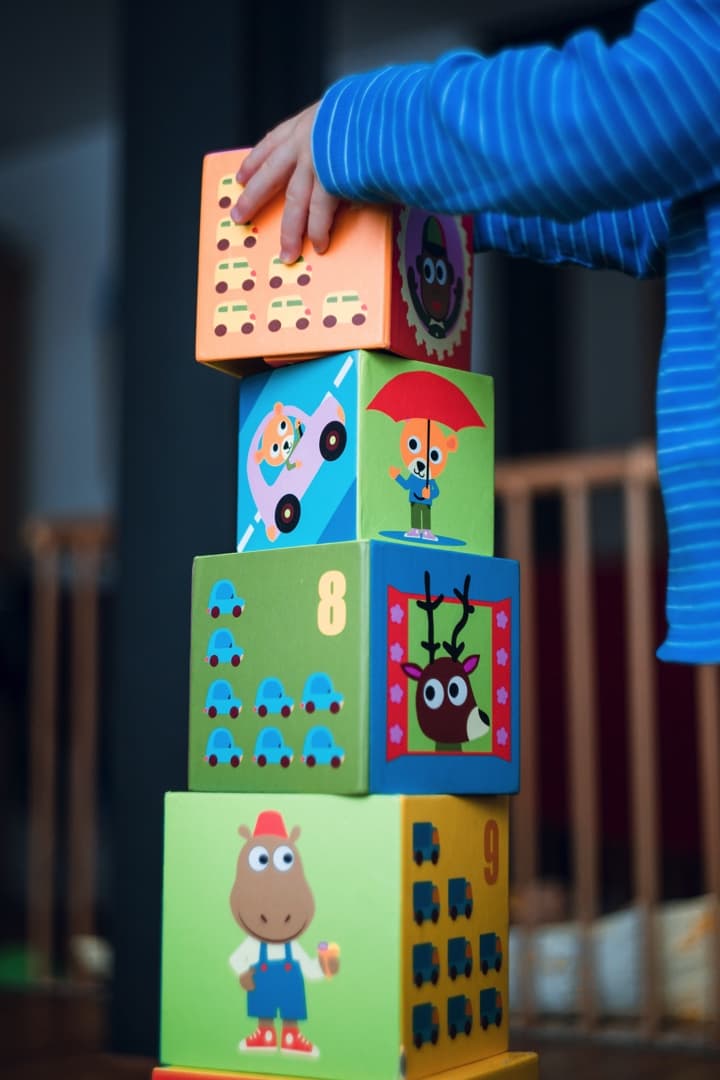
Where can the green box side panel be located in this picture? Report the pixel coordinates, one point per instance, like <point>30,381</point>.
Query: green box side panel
<point>401,403</point>
<point>279,671</point>
<point>347,854</point>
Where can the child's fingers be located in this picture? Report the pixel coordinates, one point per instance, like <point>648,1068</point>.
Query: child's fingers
<point>271,177</point>
<point>261,152</point>
<point>252,161</point>
<point>321,215</point>
<point>295,214</point>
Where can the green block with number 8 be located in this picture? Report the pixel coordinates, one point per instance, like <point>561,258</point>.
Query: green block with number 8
<point>309,670</point>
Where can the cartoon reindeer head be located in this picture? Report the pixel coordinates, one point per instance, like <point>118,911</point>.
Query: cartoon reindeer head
<point>444,702</point>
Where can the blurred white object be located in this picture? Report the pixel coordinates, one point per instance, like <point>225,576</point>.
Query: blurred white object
<point>683,932</point>
<point>92,955</point>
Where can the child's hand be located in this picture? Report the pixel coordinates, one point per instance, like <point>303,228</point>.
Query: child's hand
<point>283,161</point>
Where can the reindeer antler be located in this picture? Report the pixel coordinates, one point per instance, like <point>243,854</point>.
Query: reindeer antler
<point>453,649</point>
<point>428,605</point>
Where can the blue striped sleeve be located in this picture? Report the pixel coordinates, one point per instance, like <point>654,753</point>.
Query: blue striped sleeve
<point>560,133</point>
<point>632,241</point>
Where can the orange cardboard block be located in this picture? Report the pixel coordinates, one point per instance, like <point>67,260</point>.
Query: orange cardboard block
<point>394,278</point>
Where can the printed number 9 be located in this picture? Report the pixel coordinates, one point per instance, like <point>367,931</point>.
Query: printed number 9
<point>492,851</point>
<point>331,611</point>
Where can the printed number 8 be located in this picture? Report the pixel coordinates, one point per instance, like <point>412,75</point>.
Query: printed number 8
<point>492,851</point>
<point>331,612</point>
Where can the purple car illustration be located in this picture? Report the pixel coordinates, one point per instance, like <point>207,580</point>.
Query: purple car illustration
<point>290,446</point>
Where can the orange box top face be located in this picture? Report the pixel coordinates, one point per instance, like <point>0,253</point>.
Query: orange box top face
<point>371,290</point>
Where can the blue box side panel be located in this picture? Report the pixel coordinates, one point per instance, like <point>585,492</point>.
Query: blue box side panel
<point>297,455</point>
<point>402,758</point>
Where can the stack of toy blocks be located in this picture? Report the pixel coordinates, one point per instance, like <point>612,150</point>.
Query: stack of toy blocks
<point>336,879</point>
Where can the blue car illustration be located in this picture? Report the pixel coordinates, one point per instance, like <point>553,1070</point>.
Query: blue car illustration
<point>320,748</point>
<point>221,749</point>
<point>221,701</point>
<point>223,650</point>
<point>270,749</point>
<point>271,699</point>
<point>224,600</point>
<point>318,693</point>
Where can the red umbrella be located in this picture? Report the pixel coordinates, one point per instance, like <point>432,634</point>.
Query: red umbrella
<point>423,394</point>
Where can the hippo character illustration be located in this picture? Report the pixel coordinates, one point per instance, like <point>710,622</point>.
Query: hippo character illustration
<point>273,903</point>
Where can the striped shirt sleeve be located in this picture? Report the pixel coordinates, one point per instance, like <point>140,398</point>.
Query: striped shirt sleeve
<point>537,131</point>
<point>633,241</point>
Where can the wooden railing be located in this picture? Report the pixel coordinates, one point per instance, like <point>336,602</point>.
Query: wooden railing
<point>67,558</point>
<point>573,479</point>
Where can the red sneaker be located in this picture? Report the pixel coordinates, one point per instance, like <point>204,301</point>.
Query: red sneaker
<point>293,1042</point>
<point>262,1039</point>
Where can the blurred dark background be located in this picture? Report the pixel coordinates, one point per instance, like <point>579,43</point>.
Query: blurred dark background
<point>106,109</point>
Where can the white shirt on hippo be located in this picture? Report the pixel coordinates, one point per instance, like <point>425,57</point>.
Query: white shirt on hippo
<point>247,955</point>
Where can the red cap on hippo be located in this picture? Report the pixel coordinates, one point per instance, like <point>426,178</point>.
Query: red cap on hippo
<point>270,823</point>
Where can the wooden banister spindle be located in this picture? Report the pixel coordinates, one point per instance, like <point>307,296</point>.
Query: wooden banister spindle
<point>642,710</point>
<point>86,558</point>
<point>580,666</point>
<point>43,695</point>
<point>709,751</point>
<point>524,807</point>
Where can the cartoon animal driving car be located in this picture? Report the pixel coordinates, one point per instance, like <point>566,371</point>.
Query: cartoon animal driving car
<point>279,440</point>
<point>277,492</point>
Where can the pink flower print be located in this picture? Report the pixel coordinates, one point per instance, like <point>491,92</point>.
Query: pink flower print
<point>396,734</point>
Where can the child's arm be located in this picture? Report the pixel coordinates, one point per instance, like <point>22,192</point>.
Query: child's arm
<point>632,241</point>
<point>557,133</point>
<point>560,133</point>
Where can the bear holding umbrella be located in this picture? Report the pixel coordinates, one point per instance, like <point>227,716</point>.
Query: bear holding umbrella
<point>423,401</point>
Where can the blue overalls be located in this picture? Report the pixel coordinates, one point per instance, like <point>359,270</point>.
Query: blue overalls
<point>279,987</point>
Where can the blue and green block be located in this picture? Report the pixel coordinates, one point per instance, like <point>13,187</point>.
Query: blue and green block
<point>363,445</point>
<point>354,668</point>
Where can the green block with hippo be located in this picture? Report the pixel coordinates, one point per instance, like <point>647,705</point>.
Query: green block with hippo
<point>298,939</point>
